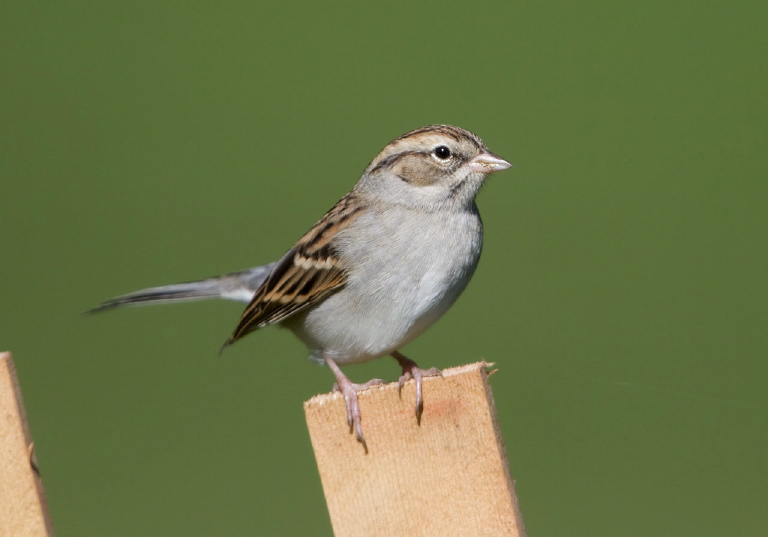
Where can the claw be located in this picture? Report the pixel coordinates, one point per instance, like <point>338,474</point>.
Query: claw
<point>412,371</point>
<point>349,390</point>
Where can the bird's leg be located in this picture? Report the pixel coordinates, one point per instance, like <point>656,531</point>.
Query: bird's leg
<point>411,370</point>
<point>349,390</point>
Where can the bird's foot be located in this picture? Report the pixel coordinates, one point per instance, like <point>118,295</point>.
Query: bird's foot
<point>412,371</point>
<point>360,387</point>
<point>349,390</point>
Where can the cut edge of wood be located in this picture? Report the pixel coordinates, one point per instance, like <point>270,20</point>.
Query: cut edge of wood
<point>483,366</point>
<point>503,452</point>
<point>6,363</point>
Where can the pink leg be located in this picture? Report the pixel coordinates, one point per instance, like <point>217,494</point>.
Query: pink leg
<point>349,390</point>
<point>411,370</point>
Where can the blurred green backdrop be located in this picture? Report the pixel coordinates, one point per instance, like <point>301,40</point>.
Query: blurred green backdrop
<point>622,290</point>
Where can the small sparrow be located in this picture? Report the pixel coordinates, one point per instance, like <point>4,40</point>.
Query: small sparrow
<point>377,270</point>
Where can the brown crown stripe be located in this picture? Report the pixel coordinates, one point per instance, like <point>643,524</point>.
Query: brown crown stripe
<point>446,130</point>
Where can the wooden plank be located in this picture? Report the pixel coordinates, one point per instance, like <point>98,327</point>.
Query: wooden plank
<point>23,509</point>
<point>449,476</point>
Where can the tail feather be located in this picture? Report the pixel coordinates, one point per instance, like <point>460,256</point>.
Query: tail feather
<point>238,286</point>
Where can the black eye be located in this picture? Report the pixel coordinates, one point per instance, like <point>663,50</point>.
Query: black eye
<point>442,152</point>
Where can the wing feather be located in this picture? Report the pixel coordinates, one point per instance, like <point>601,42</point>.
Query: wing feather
<point>308,273</point>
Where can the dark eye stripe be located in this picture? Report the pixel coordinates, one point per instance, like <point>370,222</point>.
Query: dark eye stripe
<point>392,159</point>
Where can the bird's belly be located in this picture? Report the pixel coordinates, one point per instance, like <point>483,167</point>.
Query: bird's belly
<point>379,311</point>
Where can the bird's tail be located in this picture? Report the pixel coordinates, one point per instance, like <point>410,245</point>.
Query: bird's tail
<point>238,286</point>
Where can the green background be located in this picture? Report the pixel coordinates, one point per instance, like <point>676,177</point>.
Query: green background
<point>622,290</point>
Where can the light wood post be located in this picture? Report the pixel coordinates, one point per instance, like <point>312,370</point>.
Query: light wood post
<point>449,476</point>
<point>23,509</point>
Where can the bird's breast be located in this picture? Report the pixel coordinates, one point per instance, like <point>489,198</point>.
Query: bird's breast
<point>401,279</point>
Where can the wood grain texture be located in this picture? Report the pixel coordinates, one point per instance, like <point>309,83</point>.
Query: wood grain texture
<point>23,509</point>
<point>449,476</point>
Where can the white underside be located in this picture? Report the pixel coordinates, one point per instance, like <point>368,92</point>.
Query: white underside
<point>393,294</point>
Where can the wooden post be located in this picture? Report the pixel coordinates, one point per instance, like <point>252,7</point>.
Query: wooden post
<point>23,509</point>
<point>448,476</point>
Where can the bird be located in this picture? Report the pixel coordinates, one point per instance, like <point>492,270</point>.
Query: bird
<point>378,269</point>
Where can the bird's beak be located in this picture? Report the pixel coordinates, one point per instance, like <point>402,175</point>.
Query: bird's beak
<point>487,162</point>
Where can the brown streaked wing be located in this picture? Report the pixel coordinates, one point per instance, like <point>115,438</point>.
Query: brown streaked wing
<point>308,273</point>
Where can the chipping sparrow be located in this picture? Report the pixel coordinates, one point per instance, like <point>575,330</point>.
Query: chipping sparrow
<point>378,269</point>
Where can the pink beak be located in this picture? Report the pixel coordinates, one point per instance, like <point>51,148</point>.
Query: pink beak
<point>487,162</point>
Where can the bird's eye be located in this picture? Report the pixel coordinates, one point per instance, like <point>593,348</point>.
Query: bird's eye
<point>442,152</point>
